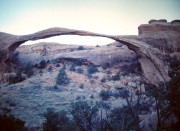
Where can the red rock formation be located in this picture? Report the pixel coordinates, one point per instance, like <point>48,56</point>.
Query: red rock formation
<point>155,26</point>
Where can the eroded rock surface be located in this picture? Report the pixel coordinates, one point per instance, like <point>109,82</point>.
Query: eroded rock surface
<point>155,26</point>
<point>112,55</point>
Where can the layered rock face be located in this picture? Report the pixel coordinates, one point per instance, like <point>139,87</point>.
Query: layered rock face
<point>111,55</point>
<point>162,35</point>
<point>155,26</point>
<point>154,39</point>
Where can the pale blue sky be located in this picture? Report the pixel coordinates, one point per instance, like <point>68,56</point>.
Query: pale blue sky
<point>117,17</point>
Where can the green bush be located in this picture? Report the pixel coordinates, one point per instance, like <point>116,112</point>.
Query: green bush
<point>16,79</point>
<point>92,96</point>
<point>81,86</point>
<point>103,80</point>
<point>57,121</point>
<point>121,119</point>
<point>73,67</point>
<point>62,78</point>
<point>124,93</point>
<point>80,71</point>
<point>116,77</point>
<point>103,105</point>
<point>57,65</point>
<point>81,48</point>
<point>92,69</point>
<point>50,68</point>
<point>106,66</point>
<point>42,64</point>
<point>28,69</point>
<point>105,95</point>
<point>55,87</point>
<point>85,115</point>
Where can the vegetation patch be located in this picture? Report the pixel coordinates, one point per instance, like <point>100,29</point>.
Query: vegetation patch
<point>62,78</point>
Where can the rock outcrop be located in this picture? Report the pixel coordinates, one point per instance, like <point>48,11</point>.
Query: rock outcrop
<point>162,35</point>
<point>153,67</point>
<point>111,55</point>
<point>155,26</point>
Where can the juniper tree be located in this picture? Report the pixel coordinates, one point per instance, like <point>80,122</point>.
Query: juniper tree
<point>62,78</point>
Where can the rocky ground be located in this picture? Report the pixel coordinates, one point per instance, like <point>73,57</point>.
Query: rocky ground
<point>30,98</point>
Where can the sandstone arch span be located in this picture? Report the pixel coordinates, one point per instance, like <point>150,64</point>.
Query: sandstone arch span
<point>147,59</point>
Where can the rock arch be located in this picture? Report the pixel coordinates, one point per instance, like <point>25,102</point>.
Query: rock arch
<point>147,59</point>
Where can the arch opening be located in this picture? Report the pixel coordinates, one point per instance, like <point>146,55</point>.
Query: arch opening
<point>75,40</point>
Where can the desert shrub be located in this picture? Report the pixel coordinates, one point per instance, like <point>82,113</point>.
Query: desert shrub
<point>116,77</point>
<point>80,48</point>
<point>92,96</point>
<point>42,64</point>
<point>124,93</point>
<point>15,79</point>
<point>78,97</point>
<point>36,65</point>
<point>73,67</point>
<point>79,70</point>
<point>50,68</point>
<point>62,78</point>
<point>57,121</point>
<point>142,107</point>
<point>84,115</point>
<point>116,94</point>
<point>92,69</point>
<point>91,81</point>
<point>9,122</point>
<point>97,45</point>
<point>103,80</point>
<point>78,62</point>
<point>48,62</point>
<point>106,66</point>
<point>28,69</point>
<point>126,72</point>
<point>108,72</point>
<point>57,65</point>
<point>81,86</point>
<point>121,119</point>
<point>105,95</point>
<point>103,105</point>
<point>55,87</point>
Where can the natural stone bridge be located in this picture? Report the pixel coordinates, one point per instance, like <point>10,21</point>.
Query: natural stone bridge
<point>146,55</point>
